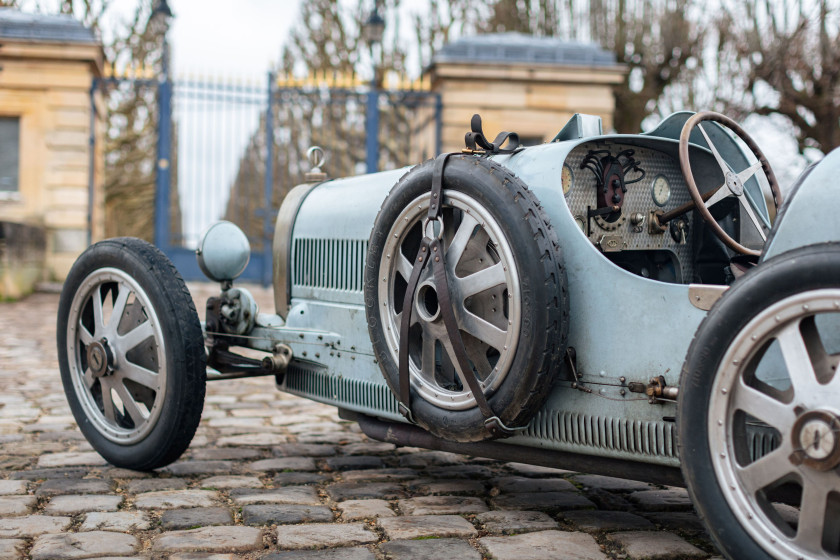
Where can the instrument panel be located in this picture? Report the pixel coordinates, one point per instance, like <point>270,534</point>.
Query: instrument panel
<point>612,189</point>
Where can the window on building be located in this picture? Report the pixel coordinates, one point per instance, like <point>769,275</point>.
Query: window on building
<point>9,155</point>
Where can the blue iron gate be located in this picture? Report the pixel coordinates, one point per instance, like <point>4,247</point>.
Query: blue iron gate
<point>233,150</point>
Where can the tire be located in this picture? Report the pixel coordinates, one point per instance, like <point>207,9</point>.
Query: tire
<point>493,226</point>
<point>152,358</point>
<point>749,424</point>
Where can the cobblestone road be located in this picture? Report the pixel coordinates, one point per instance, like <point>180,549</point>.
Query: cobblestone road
<point>273,476</point>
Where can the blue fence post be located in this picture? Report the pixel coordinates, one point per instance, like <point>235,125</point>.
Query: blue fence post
<point>164,156</point>
<point>372,128</point>
<point>91,159</point>
<point>438,123</point>
<point>269,182</point>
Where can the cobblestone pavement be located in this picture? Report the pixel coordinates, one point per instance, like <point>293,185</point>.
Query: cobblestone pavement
<point>273,476</point>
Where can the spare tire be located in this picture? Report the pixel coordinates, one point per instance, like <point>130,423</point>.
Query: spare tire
<point>508,286</point>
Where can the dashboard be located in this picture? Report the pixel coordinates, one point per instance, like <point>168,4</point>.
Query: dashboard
<point>613,190</point>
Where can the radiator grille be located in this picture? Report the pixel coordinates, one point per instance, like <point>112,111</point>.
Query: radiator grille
<point>605,432</point>
<point>332,264</point>
<point>314,381</point>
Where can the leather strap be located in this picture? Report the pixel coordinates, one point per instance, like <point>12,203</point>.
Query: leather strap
<point>476,140</point>
<point>431,250</point>
<point>420,262</point>
<point>405,323</point>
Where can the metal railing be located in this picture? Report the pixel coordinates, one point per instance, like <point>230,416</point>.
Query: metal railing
<point>235,148</point>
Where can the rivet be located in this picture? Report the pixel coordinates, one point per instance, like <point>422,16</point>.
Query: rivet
<point>420,259</point>
<point>602,373</point>
<point>778,318</point>
<point>434,249</point>
<point>510,322</point>
<point>720,422</point>
<point>734,362</point>
<point>423,249</point>
<point>723,455</point>
<point>723,391</point>
<point>805,307</point>
<point>437,259</point>
<point>395,235</point>
<point>505,347</point>
<point>434,195</point>
<point>754,337</point>
<point>387,256</point>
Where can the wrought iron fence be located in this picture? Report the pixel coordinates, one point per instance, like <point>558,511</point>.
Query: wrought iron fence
<point>237,148</point>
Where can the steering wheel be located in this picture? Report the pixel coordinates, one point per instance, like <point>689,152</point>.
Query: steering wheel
<point>733,184</point>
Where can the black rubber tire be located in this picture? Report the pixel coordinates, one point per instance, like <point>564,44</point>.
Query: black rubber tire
<point>538,361</point>
<point>184,352</point>
<point>809,268</point>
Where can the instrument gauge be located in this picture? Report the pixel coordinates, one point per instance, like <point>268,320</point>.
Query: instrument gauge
<point>661,190</point>
<point>568,178</point>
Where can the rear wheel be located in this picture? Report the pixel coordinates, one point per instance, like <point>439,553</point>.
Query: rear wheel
<point>131,354</point>
<point>508,291</point>
<point>759,411</point>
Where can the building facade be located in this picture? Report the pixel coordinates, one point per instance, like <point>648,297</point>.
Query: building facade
<point>50,178</point>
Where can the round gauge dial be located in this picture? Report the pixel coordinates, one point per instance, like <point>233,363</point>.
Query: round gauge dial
<point>661,190</point>
<point>568,178</point>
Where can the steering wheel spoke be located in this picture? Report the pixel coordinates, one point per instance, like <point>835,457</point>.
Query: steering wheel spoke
<point>733,182</point>
<point>724,167</point>
<point>745,204</point>
<point>721,193</point>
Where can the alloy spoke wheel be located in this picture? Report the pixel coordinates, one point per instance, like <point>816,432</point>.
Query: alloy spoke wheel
<point>778,379</point>
<point>116,352</point>
<point>484,286</point>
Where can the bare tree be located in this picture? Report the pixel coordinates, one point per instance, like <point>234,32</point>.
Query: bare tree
<point>784,58</point>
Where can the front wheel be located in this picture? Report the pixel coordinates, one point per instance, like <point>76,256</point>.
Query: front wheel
<point>131,354</point>
<point>759,411</point>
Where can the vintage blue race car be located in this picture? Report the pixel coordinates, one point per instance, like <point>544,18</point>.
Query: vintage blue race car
<point>644,306</point>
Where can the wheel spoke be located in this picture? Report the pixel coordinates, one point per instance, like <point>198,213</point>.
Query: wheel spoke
<point>98,320</point>
<point>477,355</point>
<point>724,167</point>
<point>107,401</point>
<point>766,470</point>
<point>812,515</point>
<point>129,404</point>
<point>798,361</point>
<point>483,330</point>
<point>747,173</point>
<point>137,335</point>
<point>140,375</point>
<point>427,357</point>
<point>482,280</point>
<point>119,308</point>
<point>764,407</point>
<point>89,378</point>
<point>450,351</point>
<point>459,242</point>
<point>404,266</point>
<point>84,335</point>
<point>749,210</point>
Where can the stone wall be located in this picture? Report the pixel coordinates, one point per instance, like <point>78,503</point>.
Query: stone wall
<point>22,258</point>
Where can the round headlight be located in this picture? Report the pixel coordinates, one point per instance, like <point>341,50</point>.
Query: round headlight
<point>224,252</point>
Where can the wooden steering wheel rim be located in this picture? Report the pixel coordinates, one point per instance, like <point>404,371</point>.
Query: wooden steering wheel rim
<point>692,185</point>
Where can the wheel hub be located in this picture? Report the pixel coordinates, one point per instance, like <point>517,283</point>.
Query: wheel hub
<point>426,302</point>
<point>734,184</point>
<point>816,440</point>
<point>100,359</point>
